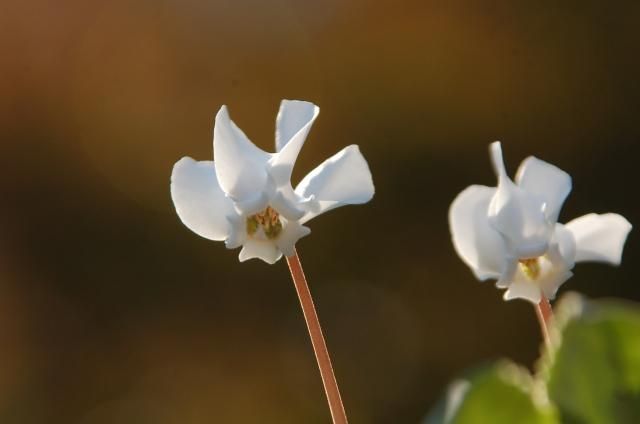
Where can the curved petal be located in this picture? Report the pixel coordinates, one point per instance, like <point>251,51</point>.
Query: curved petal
<point>291,233</point>
<point>566,246</point>
<point>518,215</point>
<point>237,232</point>
<point>476,242</point>
<point>292,126</point>
<point>545,181</point>
<point>523,290</point>
<point>285,202</point>
<point>509,271</point>
<point>497,160</point>
<point>294,117</point>
<point>240,165</point>
<point>553,269</point>
<point>553,281</point>
<point>251,205</point>
<point>556,265</point>
<point>259,249</point>
<point>600,238</point>
<point>200,202</point>
<point>343,179</point>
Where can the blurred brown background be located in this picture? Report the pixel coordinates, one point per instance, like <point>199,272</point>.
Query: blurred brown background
<point>111,311</point>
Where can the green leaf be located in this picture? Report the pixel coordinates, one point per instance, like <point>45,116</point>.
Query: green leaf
<point>593,369</point>
<point>500,393</point>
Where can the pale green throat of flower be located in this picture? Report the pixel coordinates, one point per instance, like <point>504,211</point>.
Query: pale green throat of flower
<point>268,220</point>
<point>530,268</point>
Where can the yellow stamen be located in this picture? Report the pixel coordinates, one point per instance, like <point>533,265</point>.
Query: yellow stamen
<point>269,220</point>
<point>531,268</point>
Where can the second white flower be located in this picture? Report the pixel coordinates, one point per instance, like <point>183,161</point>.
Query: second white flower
<point>510,232</point>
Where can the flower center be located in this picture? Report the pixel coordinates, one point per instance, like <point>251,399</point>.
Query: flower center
<point>530,268</point>
<point>268,220</point>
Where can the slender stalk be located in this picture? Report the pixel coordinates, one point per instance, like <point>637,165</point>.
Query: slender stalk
<point>544,313</point>
<point>317,340</point>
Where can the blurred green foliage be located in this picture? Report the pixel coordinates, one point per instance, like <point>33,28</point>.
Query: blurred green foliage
<point>590,374</point>
<point>594,375</point>
<point>499,393</point>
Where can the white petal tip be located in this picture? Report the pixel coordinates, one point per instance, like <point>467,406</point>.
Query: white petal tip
<point>290,236</point>
<point>343,179</point>
<point>183,162</point>
<point>495,151</point>
<point>293,122</point>
<point>268,259</point>
<point>223,113</point>
<point>625,228</point>
<point>363,173</point>
<point>300,105</point>
<point>232,244</point>
<point>600,238</point>
<point>198,198</point>
<point>547,181</point>
<point>264,250</point>
<point>526,291</point>
<point>479,246</point>
<point>501,284</point>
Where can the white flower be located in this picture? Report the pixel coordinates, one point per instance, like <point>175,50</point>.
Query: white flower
<point>246,199</point>
<point>510,233</point>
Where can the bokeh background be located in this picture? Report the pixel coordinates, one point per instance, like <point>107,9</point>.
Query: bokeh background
<point>111,311</point>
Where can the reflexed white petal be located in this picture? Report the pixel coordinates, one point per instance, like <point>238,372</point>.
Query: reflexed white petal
<point>292,126</point>
<point>344,176</point>
<point>200,202</point>
<point>554,269</point>
<point>523,290</point>
<point>552,282</point>
<point>265,250</point>
<point>287,206</point>
<point>599,238</point>
<point>509,272</point>
<point>294,117</point>
<point>566,245</point>
<point>240,165</point>
<point>252,205</point>
<point>520,218</point>
<point>475,241</point>
<point>495,153</point>
<point>518,215</point>
<point>291,233</point>
<point>237,232</point>
<point>343,179</point>
<point>556,265</point>
<point>257,201</point>
<point>545,181</point>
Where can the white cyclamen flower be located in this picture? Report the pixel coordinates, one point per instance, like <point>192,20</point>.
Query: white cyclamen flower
<point>246,198</point>
<point>510,233</point>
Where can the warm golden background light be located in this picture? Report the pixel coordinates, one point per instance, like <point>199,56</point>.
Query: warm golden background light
<point>111,311</point>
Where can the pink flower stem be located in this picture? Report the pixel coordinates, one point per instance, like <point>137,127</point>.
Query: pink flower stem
<point>317,340</point>
<point>544,313</point>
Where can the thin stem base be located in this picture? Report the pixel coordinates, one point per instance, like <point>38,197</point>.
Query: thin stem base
<point>317,340</point>
<point>544,314</point>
